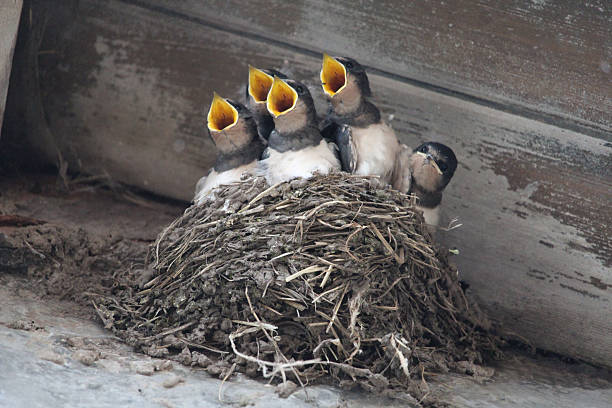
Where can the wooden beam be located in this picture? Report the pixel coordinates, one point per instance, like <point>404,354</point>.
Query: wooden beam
<point>548,59</point>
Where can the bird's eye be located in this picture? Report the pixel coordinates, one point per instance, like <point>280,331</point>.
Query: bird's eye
<point>443,167</point>
<point>423,149</point>
<point>299,89</point>
<point>349,65</point>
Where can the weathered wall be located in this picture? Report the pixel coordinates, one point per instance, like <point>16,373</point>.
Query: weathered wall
<point>552,57</point>
<point>9,21</point>
<point>125,86</point>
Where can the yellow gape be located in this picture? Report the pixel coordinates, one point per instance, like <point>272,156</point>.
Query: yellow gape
<point>333,75</point>
<point>222,115</point>
<point>281,98</point>
<point>259,84</point>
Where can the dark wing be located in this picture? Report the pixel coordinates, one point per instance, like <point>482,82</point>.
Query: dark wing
<point>329,127</point>
<point>265,125</point>
<point>348,152</point>
<point>265,154</point>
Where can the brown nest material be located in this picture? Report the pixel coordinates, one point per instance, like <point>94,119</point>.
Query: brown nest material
<point>333,277</point>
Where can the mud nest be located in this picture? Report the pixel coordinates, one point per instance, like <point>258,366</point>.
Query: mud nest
<point>331,278</point>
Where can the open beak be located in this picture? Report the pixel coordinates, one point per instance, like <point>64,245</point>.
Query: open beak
<point>222,115</point>
<point>429,159</point>
<point>259,84</point>
<point>281,98</point>
<point>333,75</point>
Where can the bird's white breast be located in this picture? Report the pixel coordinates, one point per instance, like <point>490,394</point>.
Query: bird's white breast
<point>206,184</point>
<point>431,215</point>
<point>377,147</point>
<point>302,163</point>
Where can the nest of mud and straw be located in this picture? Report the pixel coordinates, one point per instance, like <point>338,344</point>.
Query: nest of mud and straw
<point>334,277</point>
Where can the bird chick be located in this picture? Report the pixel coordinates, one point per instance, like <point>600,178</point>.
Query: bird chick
<point>367,145</point>
<point>234,132</point>
<point>431,166</point>
<point>295,146</point>
<point>260,82</point>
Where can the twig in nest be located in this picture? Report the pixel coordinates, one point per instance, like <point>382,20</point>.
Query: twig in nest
<point>173,330</point>
<point>335,342</point>
<point>398,353</point>
<point>349,238</point>
<point>326,277</point>
<point>200,346</point>
<point>310,269</point>
<point>259,197</point>
<point>273,341</point>
<point>354,306</point>
<point>327,292</point>
<point>229,373</point>
<point>263,364</point>
<point>383,241</point>
<point>36,252</point>
<point>336,308</point>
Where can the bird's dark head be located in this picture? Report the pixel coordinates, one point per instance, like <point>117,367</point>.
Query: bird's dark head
<point>432,165</point>
<point>230,125</point>
<point>344,81</point>
<point>291,105</point>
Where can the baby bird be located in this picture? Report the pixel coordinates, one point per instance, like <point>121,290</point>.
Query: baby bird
<point>260,82</point>
<point>233,130</point>
<point>295,146</point>
<point>426,171</point>
<point>367,145</point>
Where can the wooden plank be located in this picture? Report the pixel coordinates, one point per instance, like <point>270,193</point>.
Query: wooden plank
<point>9,21</point>
<point>543,56</point>
<point>127,91</point>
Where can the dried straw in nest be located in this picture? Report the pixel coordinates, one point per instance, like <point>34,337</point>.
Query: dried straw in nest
<point>334,276</point>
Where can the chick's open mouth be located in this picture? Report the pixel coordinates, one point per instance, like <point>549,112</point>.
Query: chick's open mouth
<point>259,84</point>
<point>333,75</point>
<point>222,115</point>
<point>281,98</point>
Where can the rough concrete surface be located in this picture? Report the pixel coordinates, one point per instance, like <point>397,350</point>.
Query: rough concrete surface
<point>40,367</point>
<point>54,360</point>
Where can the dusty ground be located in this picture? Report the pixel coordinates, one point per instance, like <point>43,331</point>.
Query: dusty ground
<point>54,352</point>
